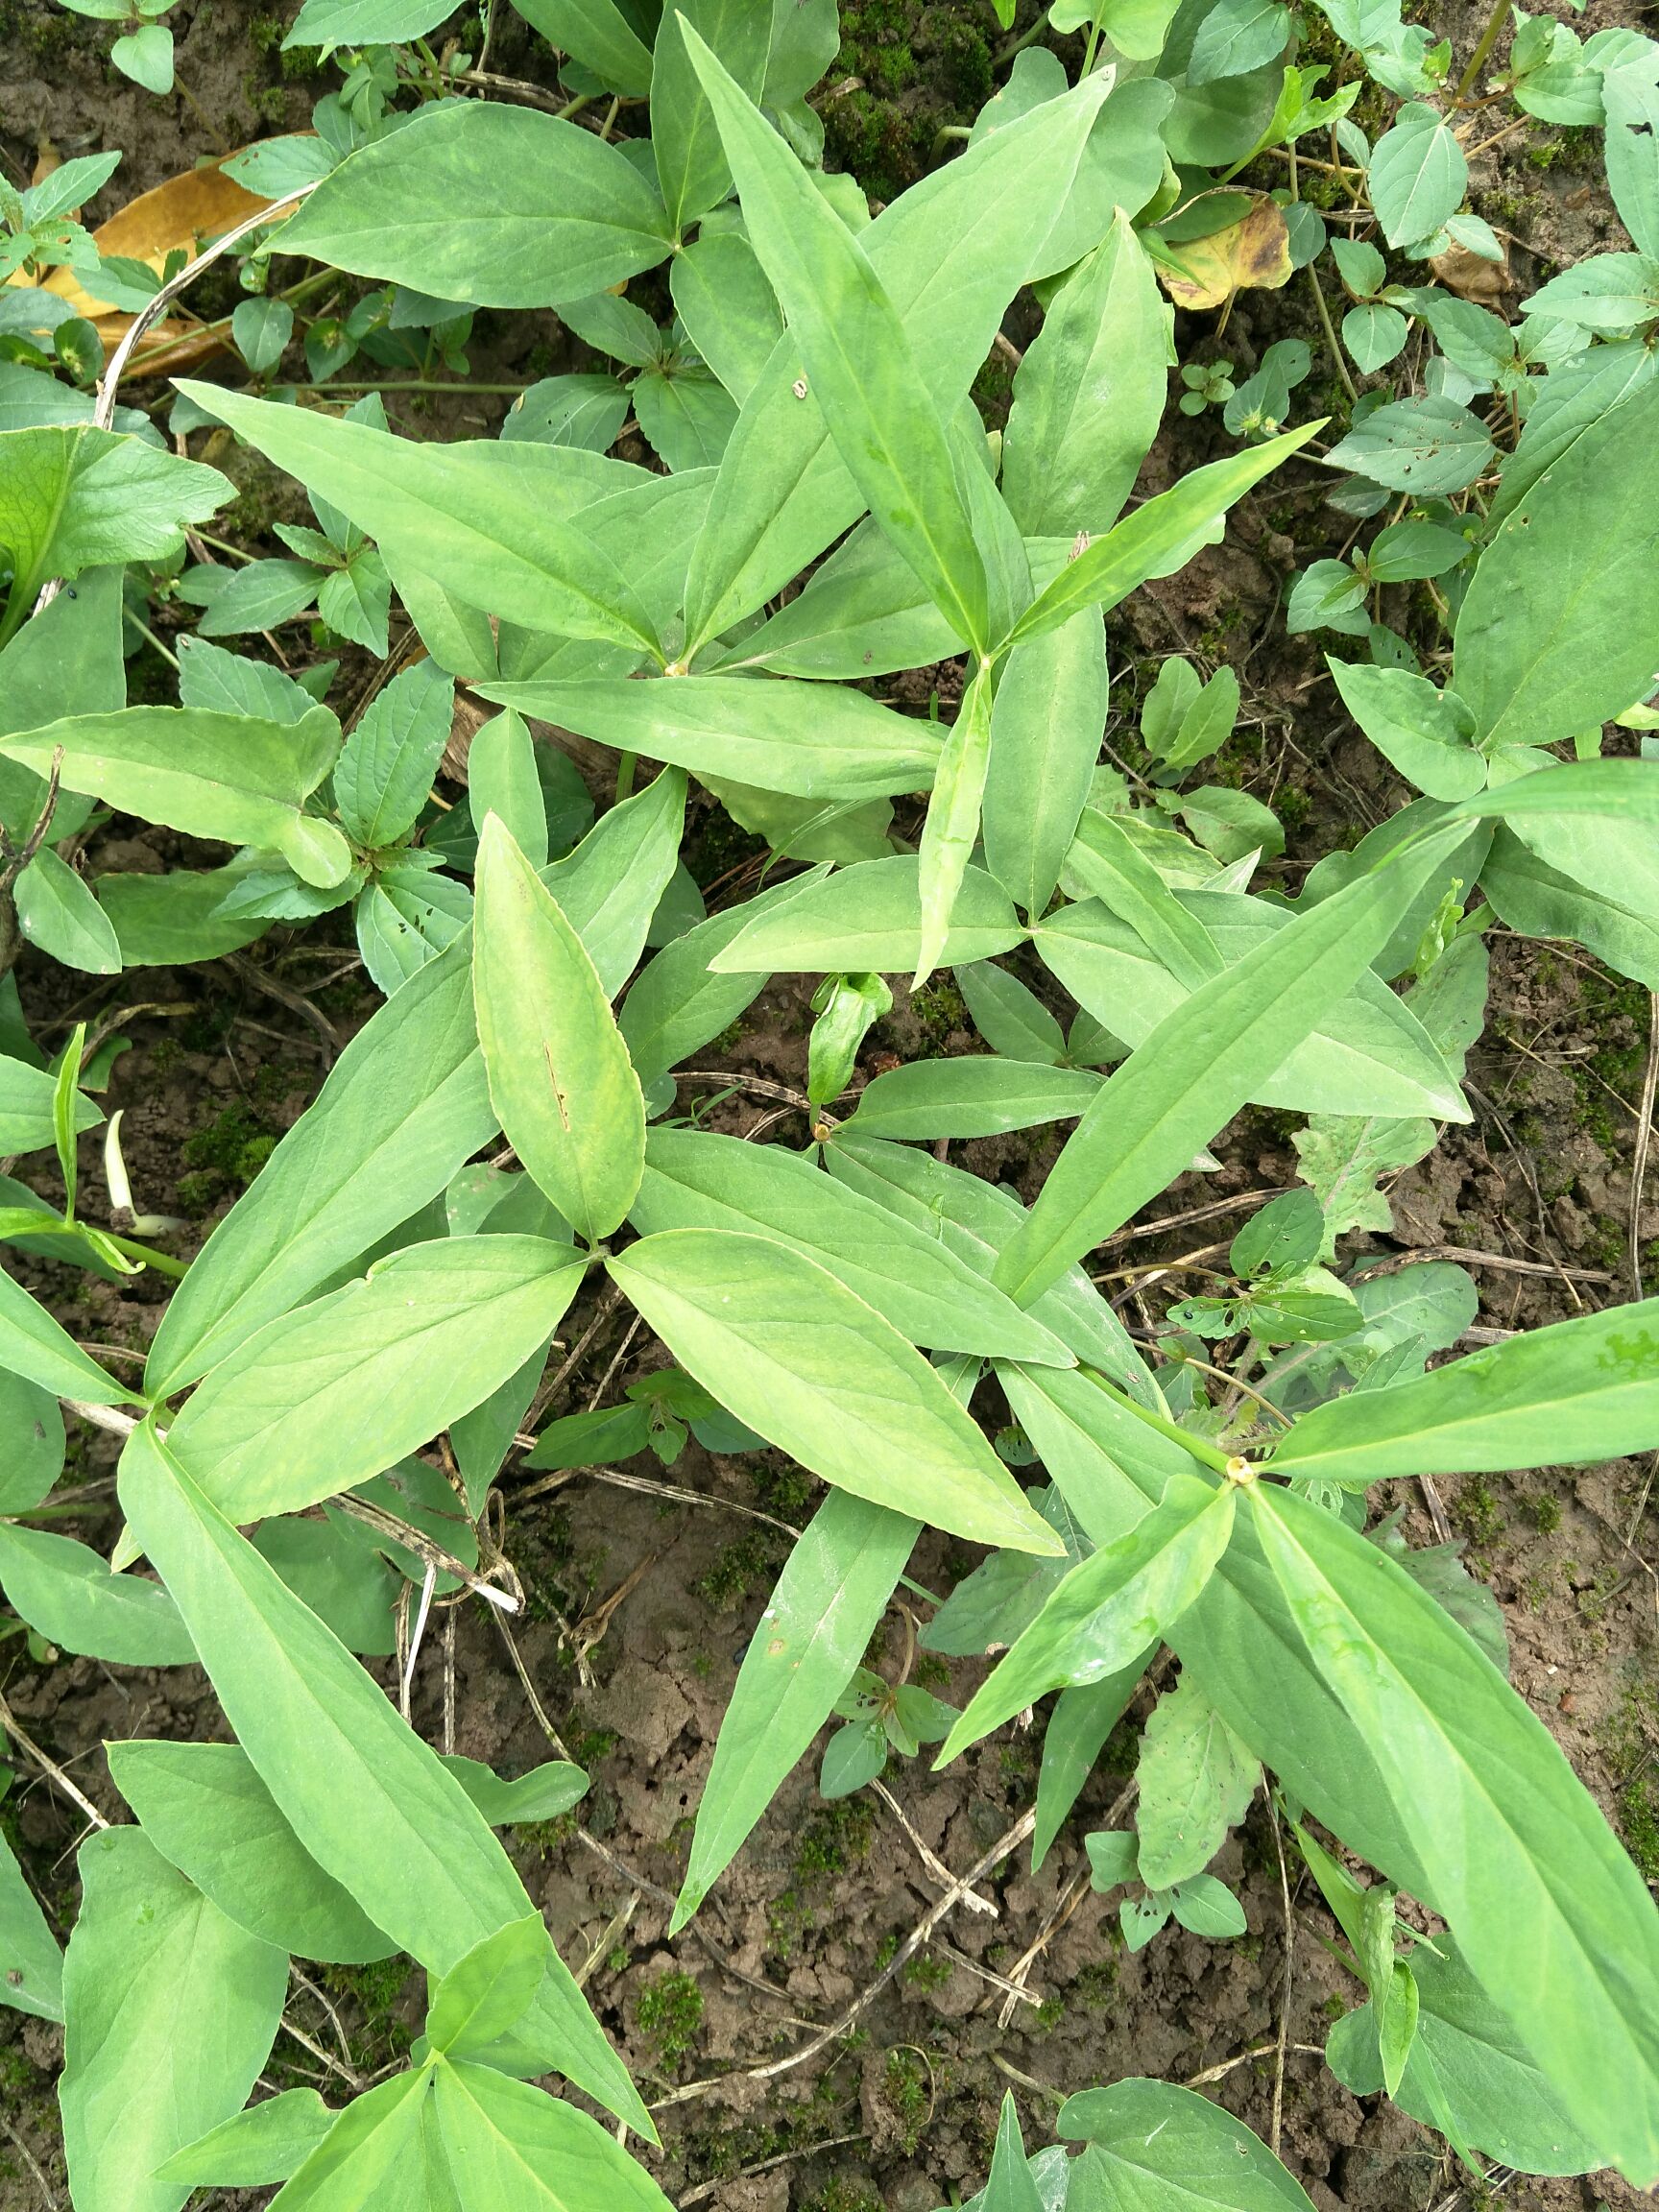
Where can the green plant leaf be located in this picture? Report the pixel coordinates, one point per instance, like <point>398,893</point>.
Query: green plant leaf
<point>1160,536</point>
<point>1417,174</point>
<point>328,1395</point>
<point>867,919</point>
<point>262,2144</point>
<point>58,915</point>
<point>774,734</point>
<point>951,828</point>
<point>541,1794</point>
<point>501,780</point>
<point>1558,630</point>
<point>486,1993</point>
<point>366,1797</point>
<point>385,770</point>
<point>1105,1613</point>
<point>1197,1781</point>
<point>33,1345</point>
<point>1046,725</point>
<point>510,2144</point>
<point>1010,2187</point>
<point>612,885</point>
<point>67,1594</point>
<point>696,1180</point>
<point>685,136</point>
<point>207,1810</point>
<point>209,774</point>
<point>560,1077</point>
<point>1079,1727</point>
<point>1582,1391</point>
<point>816,1371</point>
<point>597,34</point>
<point>374,2146</point>
<point>406,1105</point>
<point>169,2012</point>
<point>498,523</point>
<point>1088,396</point>
<point>1507,1837</point>
<point>1415,727</point>
<point>1163,2149</point>
<point>1196,1069</point>
<point>821,1615</point>
<point>491,203</point>
<point>31,1964</point>
<point>970,1095</point>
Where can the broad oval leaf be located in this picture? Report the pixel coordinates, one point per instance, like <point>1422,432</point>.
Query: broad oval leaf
<point>813,1369</point>
<point>560,1076</point>
<point>1163,2149</point>
<point>67,1594</point>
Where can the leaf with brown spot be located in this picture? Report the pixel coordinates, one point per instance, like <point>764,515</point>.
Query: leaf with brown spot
<point>1252,254</point>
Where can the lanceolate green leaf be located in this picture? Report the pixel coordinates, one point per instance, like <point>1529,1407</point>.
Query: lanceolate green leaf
<point>1046,730</point>
<point>780,734</point>
<point>1551,1915</point>
<point>366,1797</point>
<point>795,1355</point>
<point>696,1180</point>
<point>33,1345</point>
<point>492,521</point>
<point>1107,1611</point>
<point>1585,1389</point>
<point>169,2014</point>
<point>1157,538</point>
<point>951,828</point>
<point>560,1076</point>
<point>1201,1063</point>
<point>867,918</point>
<point>206,1809</point>
<point>486,202</point>
<point>264,2143</point>
<point>330,1395</point>
<point>210,775</point>
<point>404,1107</point>
<point>685,138</point>
<point>858,358</point>
<point>597,34</point>
<point>818,1619</point>
<point>31,1964</point>
<point>609,888</point>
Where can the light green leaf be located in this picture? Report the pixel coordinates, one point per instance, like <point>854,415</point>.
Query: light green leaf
<point>863,613</point>
<point>821,1615</point>
<point>1582,1390</point>
<point>1417,174</point>
<point>599,34</point>
<point>867,918</point>
<point>33,1345</point>
<point>1105,1613</point>
<point>34,1430</point>
<point>404,1106</point>
<point>486,1993</point>
<point>1090,394</point>
<point>1160,536</point>
<point>769,732</point>
<point>66,1594</point>
<point>1201,1062</point>
<point>169,2012</point>
<point>1046,730</point>
<point>385,772</point>
<point>610,886</point>
<point>857,357</point>
<point>329,1395</point>
<point>501,780</point>
<point>816,1371</point>
<point>1539,901</point>
<point>498,523</point>
<point>512,2145</point>
<point>1079,1727</point>
<point>951,828</point>
<point>541,1794</point>
<point>1507,1837</point>
<point>1559,630</point>
<point>31,1966</point>
<point>263,2143</point>
<point>73,497</point>
<point>970,1096</point>
<point>1163,2149</point>
<point>1107,861</point>
<point>685,138</point>
<point>729,309</point>
<point>1197,1781</point>
<point>1010,2187</point>
<point>695,1180</point>
<point>487,203</point>
<point>364,1794</point>
<point>58,915</point>
<point>210,775</point>
<point>366,2160</point>
<point>26,1097</point>
<point>560,1076</point>
<point>207,1810</point>
<point>1416,728</point>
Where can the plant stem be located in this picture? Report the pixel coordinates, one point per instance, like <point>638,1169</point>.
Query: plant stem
<point>1479,59</point>
<point>1331,339</point>
<point>1207,1455</point>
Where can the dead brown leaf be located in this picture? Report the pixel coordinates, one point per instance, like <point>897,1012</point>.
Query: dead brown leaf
<point>1470,278</point>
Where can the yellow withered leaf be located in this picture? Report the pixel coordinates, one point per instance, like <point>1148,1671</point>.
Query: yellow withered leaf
<point>1253,253</point>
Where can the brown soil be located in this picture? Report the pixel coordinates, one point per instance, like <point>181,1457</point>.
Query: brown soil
<point>901,2112</point>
